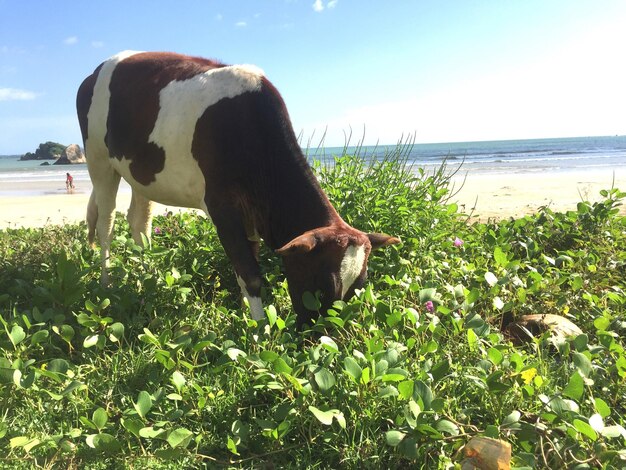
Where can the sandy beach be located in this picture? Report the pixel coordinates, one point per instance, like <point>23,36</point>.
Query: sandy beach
<point>493,195</point>
<point>483,195</point>
<point>57,206</point>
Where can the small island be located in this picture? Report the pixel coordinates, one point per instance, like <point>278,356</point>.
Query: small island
<point>46,151</point>
<point>63,155</point>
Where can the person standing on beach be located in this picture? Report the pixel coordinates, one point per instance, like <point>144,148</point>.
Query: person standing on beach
<point>69,181</point>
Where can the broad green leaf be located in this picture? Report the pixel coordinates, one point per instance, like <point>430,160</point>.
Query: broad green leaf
<point>271,314</point>
<point>132,425</point>
<point>144,403</point>
<point>424,392</point>
<point>394,377</point>
<point>116,332</point>
<point>58,366</point>
<point>491,279</point>
<point>427,294</point>
<point>281,366</point>
<point>495,355</point>
<point>602,408</point>
<point>352,368</point>
<point>582,363</point>
<point>17,335</point>
<point>512,418</point>
<point>64,331</point>
<point>472,339</point>
<point>311,302</point>
<point>39,337</point>
<point>19,441</point>
<point>23,381</point>
<point>100,418</point>
<point>409,448</point>
<point>585,429</point>
<point>440,370</point>
<point>234,353</point>
<point>324,379</point>
<point>447,427</point>
<point>329,344</point>
<point>178,380</point>
<point>394,437</point>
<point>602,323</point>
<point>324,417</point>
<point>103,442</point>
<point>91,341</point>
<point>73,385</point>
<point>268,356</point>
<point>388,391</point>
<point>179,437</point>
<point>500,257</point>
<point>406,389</point>
<point>365,376</point>
<point>151,433</point>
<point>575,387</point>
<point>231,446</point>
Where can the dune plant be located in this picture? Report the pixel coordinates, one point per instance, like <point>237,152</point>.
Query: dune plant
<point>167,370</point>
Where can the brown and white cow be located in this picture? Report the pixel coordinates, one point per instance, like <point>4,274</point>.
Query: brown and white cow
<point>191,132</point>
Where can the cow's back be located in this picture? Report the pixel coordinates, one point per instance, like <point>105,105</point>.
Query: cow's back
<point>139,112</point>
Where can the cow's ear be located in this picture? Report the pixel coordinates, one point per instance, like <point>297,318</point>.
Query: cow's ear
<point>379,240</point>
<point>301,244</point>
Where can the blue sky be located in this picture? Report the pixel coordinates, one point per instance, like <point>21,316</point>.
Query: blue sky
<point>447,70</point>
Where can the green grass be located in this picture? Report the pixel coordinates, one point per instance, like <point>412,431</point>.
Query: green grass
<point>166,369</point>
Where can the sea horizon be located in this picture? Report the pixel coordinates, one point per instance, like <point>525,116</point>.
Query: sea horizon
<point>479,157</point>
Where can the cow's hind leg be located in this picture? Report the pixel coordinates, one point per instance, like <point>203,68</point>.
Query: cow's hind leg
<point>140,217</point>
<point>92,218</point>
<point>102,209</point>
<point>241,251</point>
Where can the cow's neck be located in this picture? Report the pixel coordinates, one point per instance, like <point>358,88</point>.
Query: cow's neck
<point>293,202</point>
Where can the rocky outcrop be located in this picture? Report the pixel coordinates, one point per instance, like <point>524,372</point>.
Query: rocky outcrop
<point>71,154</point>
<point>46,151</point>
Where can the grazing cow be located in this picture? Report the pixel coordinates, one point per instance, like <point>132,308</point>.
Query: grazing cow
<point>192,132</point>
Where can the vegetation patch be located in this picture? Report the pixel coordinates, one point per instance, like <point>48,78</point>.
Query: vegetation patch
<point>166,369</point>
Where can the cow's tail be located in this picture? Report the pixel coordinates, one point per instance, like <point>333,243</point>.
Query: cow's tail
<point>92,218</point>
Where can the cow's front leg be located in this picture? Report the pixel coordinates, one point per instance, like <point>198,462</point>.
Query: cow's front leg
<point>242,254</point>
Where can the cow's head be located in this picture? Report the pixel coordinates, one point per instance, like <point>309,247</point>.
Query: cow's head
<point>330,260</point>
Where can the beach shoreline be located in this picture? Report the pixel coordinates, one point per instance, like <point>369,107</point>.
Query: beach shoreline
<point>481,195</point>
<point>487,196</point>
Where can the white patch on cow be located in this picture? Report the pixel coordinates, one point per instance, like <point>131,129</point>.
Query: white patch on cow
<point>99,109</point>
<point>256,306</point>
<point>182,103</point>
<point>351,266</point>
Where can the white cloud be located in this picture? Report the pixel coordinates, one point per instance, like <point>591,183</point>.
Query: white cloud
<point>319,6</point>
<point>70,41</point>
<point>97,44</point>
<point>241,24</point>
<point>15,94</point>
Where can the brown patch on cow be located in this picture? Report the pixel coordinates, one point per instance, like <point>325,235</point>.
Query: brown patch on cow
<point>134,107</point>
<point>83,101</point>
<point>245,147</point>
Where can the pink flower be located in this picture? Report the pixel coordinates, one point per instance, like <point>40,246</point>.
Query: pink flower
<point>458,242</point>
<point>429,305</point>
<point>157,230</point>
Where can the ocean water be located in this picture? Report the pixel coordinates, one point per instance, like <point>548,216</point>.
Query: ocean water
<point>507,156</point>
